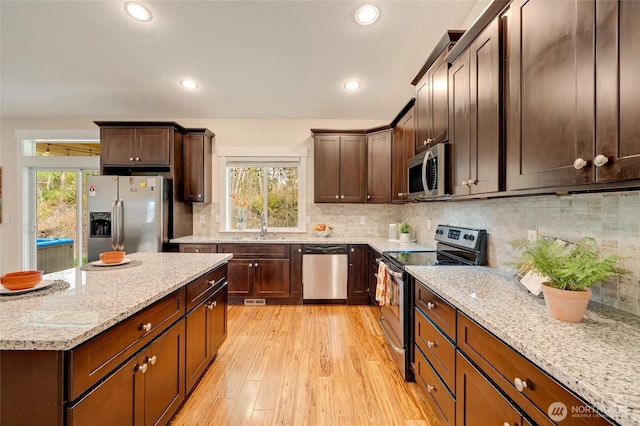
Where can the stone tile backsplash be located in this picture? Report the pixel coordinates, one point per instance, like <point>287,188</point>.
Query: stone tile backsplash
<point>613,219</point>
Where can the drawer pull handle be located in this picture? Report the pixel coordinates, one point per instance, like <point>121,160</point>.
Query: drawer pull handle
<point>430,388</point>
<point>142,368</point>
<point>431,305</point>
<point>431,344</point>
<point>151,360</point>
<point>520,384</point>
<point>146,327</point>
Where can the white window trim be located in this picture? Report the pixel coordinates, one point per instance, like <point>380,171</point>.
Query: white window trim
<point>25,181</point>
<point>295,155</point>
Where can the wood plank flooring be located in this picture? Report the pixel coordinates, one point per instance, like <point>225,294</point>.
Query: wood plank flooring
<point>303,365</point>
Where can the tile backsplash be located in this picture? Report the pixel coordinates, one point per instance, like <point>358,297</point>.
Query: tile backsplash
<point>611,218</point>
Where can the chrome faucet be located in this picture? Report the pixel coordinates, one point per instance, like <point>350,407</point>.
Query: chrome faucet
<point>263,226</point>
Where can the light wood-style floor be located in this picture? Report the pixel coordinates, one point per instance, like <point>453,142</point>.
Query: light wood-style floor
<point>303,365</point>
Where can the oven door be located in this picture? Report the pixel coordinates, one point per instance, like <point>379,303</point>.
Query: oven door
<point>393,317</point>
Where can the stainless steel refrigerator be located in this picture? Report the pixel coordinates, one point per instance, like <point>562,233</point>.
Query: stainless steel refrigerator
<point>127,213</point>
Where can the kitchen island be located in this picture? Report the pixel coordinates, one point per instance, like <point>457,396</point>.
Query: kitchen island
<point>596,359</point>
<point>85,349</point>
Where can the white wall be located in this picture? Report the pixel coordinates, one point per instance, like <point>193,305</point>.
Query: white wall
<point>229,132</point>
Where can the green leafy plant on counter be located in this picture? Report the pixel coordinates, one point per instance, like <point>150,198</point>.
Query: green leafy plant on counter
<point>574,267</point>
<point>405,228</point>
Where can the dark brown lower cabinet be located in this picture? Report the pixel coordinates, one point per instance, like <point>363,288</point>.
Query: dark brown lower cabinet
<point>439,398</point>
<point>146,390</point>
<point>206,330</point>
<point>357,282</point>
<point>479,403</point>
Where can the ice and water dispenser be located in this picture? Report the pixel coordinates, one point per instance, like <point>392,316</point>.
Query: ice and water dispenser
<point>100,225</point>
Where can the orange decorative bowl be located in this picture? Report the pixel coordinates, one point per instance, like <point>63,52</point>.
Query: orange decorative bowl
<point>21,280</point>
<point>112,257</point>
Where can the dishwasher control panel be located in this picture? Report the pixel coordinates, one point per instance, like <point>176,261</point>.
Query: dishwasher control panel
<point>324,249</point>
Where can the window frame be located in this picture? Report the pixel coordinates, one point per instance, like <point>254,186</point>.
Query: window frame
<point>264,157</point>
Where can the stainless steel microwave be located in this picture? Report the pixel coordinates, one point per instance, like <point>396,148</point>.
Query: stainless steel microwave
<point>429,173</point>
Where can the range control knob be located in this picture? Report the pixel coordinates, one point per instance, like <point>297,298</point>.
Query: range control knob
<point>472,237</point>
<point>465,236</point>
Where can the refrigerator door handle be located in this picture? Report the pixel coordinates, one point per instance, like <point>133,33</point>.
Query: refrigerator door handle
<point>120,235</point>
<point>114,225</point>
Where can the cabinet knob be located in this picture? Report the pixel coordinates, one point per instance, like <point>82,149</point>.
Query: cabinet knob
<point>211,282</point>
<point>464,183</point>
<point>137,158</point>
<point>337,197</point>
<point>600,160</point>
<point>520,384</point>
<point>130,158</point>
<point>342,196</point>
<point>151,360</point>
<point>401,194</point>
<point>197,250</point>
<point>431,344</point>
<point>250,265</point>
<point>430,388</point>
<point>146,327</point>
<point>255,265</point>
<point>579,164</point>
<point>368,197</point>
<point>214,304</point>
<point>299,250</point>
<point>211,305</point>
<point>199,195</point>
<point>353,250</point>
<point>431,305</point>
<point>506,424</point>
<point>425,142</point>
<point>471,182</point>
<point>142,368</point>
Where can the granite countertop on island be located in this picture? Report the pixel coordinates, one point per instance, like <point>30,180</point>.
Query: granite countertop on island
<point>378,243</point>
<point>596,358</point>
<point>96,300</point>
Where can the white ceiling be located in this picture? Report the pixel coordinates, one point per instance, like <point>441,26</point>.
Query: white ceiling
<point>252,59</point>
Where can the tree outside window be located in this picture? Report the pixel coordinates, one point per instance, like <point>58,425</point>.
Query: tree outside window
<point>254,189</point>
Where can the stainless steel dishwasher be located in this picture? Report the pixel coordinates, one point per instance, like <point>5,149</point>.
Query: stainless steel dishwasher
<point>325,270</point>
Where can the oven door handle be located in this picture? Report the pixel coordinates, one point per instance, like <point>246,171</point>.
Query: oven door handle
<point>389,270</point>
<point>388,338</point>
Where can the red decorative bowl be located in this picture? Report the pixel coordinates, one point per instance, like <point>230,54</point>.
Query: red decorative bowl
<point>21,280</point>
<point>112,257</point>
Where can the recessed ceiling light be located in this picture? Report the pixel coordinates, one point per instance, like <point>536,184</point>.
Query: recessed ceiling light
<point>367,15</point>
<point>137,11</point>
<point>189,84</point>
<point>352,85</point>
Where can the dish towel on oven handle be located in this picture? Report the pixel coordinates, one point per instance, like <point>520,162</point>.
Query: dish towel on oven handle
<point>382,286</point>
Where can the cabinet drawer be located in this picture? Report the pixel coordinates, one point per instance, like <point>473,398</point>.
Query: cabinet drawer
<point>441,401</point>
<point>438,350</point>
<point>197,248</point>
<point>505,367</point>
<point>255,250</point>
<point>199,289</point>
<point>435,308</point>
<point>96,358</point>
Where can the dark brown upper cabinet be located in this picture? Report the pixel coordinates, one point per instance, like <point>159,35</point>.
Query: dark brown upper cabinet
<point>196,157</point>
<point>432,104</point>
<point>134,147</point>
<point>403,144</point>
<point>339,167</point>
<point>617,91</point>
<point>379,167</point>
<point>551,101</point>
<point>475,119</point>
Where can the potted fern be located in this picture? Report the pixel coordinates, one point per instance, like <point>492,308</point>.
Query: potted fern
<point>570,270</point>
<point>405,231</point>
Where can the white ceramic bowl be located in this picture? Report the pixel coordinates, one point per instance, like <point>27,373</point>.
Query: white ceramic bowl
<point>324,233</point>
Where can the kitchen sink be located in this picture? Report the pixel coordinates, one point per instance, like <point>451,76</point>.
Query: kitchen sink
<point>267,238</point>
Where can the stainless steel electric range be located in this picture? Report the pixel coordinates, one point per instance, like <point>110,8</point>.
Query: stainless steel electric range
<point>455,246</point>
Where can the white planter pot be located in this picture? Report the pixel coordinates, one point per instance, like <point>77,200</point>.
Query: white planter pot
<point>405,237</point>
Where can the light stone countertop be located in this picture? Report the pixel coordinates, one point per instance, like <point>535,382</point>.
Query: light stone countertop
<point>380,244</point>
<point>96,300</point>
<point>597,358</point>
